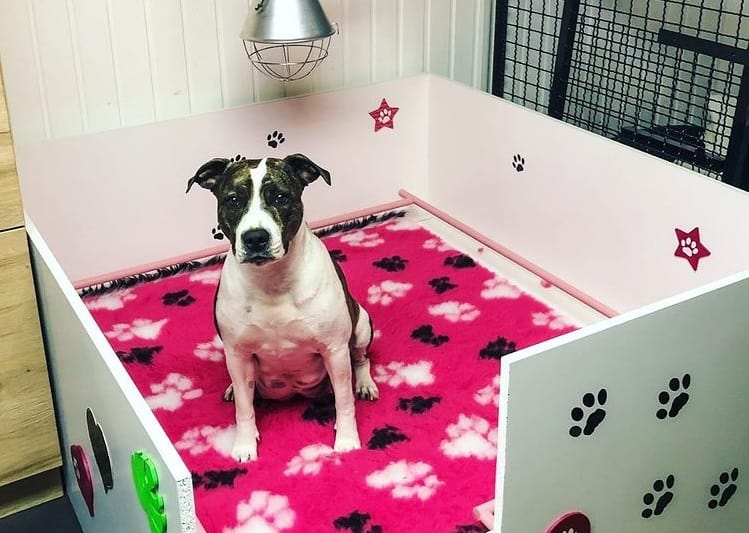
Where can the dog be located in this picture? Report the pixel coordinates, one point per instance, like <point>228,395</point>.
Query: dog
<point>282,308</point>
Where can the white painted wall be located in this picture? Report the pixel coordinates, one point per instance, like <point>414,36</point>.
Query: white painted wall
<point>81,66</point>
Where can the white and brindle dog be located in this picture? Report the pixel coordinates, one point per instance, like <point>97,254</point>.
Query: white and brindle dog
<point>283,311</point>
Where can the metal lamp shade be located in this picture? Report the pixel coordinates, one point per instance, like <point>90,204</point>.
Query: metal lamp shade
<point>287,39</point>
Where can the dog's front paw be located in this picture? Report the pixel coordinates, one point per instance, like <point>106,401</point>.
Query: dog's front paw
<point>366,389</point>
<point>229,393</point>
<point>245,449</point>
<point>346,443</point>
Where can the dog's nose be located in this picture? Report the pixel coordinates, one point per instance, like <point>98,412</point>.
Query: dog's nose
<point>255,240</point>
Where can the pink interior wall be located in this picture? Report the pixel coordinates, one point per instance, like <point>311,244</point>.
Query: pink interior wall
<point>593,212</point>
<point>108,201</point>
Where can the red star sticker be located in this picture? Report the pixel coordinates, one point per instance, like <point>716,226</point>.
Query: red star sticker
<point>690,247</point>
<point>383,116</point>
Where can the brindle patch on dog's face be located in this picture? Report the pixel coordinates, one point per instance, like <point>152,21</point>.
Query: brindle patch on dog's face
<point>259,202</point>
<point>233,193</point>
<point>260,194</point>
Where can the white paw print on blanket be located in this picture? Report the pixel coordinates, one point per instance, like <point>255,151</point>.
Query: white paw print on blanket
<point>362,239</point>
<point>311,460</point>
<point>396,374</point>
<point>210,351</point>
<point>141,328</point>
<point>470,436</point>
<point>488,394</point>
<point>387,291</point>
<point>499,287</point>
<point>264,512</point>
<point>436,244</point>
<point>406,480</point>
<point>171,393</point>
<point>689,247</point>
<point>551,320</point>
<point>112,301</point>
<point>402,224</point>
<point>207,277</point>
<point>201,439</point>
<point>455,311</point>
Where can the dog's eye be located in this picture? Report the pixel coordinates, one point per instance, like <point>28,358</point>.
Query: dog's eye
<point>233,200</point>
<point>280,199</point>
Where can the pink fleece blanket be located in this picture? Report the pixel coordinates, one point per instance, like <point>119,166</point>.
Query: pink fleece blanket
<point>429,444</point>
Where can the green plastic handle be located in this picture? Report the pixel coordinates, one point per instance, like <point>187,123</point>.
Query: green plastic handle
<point>146,481</point>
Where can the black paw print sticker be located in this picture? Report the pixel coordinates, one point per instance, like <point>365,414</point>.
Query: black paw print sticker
<point>385,436</point>
<point>237,158</point>
<point>418,404</point>
<point>213,479</point>
<point>392,264</point>
<point>142,355</point>
<point>723,491</point>
<point>657,500</point>
<point>217,233</point>
<point>356,522</point>
<point>441,285</point>
<point>337,255</point>
<point>497,349</point>
<point>675,398</point>
<point>426,335</point>
<point>518,162</point>
<point>459,261</point>
<point>181,298</point>
<point>274,139</point>
<point>593,418</point>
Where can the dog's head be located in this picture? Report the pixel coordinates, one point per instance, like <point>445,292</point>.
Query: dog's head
<point>259,202</point>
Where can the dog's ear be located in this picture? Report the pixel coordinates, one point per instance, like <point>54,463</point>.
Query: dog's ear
<point>306,169</point>
<point>208,175</point>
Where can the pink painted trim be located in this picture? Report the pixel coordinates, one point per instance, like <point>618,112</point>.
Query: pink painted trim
<point>208,252</point>
<point>396,204</point>
<point>484,513</point>
<point>148,267</point>
<point>512,256</point>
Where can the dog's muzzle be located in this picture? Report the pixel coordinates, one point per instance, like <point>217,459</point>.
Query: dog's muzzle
<point>255,243</point>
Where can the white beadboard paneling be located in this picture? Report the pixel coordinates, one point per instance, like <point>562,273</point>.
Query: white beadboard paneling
<point>329,74</point>
<point>23,82</point>
<point>357,40</point>
<point>202,55</point>
<point>463,41</point>
<point>411,24</point>
<point>384,20</point>
<point>237,86</point>
<point>438,37</point>
<point>132,64</point>
<point>55,49</point>
<point>80,66</point>
<point>96,78</point>
<point>168,63</point>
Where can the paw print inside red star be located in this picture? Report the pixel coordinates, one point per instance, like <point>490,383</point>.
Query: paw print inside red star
<point>384,115</point>
<point>690,247</point>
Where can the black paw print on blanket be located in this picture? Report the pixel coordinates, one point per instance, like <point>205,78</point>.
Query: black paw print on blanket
<point>213,479</point>
<point>356,522</point>
<point>337,255</point>
<point>392,264</point>
<point>426,335</point>
<point>418,404</point>
<point>321,411</point>
<point>441,285</point>
<point>181,298</point>
<point>140,354</point>
<point>497,349</point>
<point>459,261</point>
<point>385,436</point>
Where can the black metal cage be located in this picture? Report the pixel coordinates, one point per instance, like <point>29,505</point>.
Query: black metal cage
<point>664,76</point>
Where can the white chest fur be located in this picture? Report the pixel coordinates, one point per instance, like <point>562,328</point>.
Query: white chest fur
<point>284,317</point>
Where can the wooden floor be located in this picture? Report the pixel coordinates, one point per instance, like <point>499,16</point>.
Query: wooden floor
<point>56,516</point>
